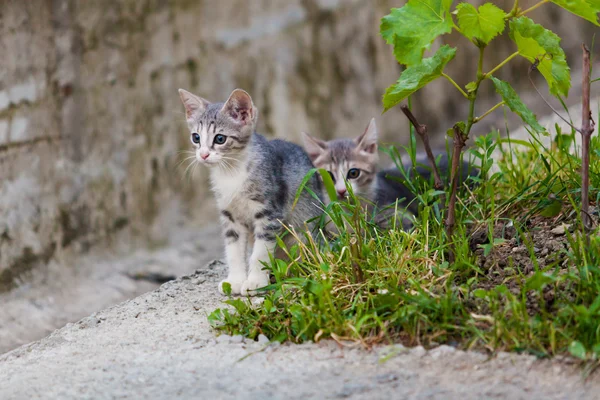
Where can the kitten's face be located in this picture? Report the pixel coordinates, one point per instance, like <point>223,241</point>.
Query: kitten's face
<point>219,132</point>
<point>347,160</point>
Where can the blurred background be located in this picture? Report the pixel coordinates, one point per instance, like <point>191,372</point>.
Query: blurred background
<point>92,129</point>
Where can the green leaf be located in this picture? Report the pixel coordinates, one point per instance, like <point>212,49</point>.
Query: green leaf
<point>416,76</point>
<point>484,24</point>
<point>302,185</point>
<point>239,304</point>
<point>538,280</point>
<point>577,349</point>
<point>329,185</point>
<point>215,317</point>
<point>513,101</point>
<point>471,86</point>
<point>227,288</point>
<point>587,9</point>
<point>595,305</point>
<point>412,28</point>
<point>461,127</point>
<point>551,208</point>
<point>537,43</point>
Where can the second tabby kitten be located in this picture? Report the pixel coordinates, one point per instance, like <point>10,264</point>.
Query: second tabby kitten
<point>354,161</point>
<point>255,181</point>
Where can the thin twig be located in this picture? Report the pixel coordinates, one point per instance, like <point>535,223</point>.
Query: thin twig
<point>541,3</point>
<point>514,10</point>
<point>503,63</point>
<point>466,96</point>
<point>422,131</point>
<point>534,67</point>
<point>459,143</point>
<point>488,112</point>
<point>587,128</point>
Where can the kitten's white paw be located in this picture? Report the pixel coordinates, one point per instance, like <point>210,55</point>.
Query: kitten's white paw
<point>236,285</point>
<point>254,282</point>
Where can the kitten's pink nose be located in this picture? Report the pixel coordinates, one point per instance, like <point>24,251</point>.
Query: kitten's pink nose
<point>341,192</point>
<point>204,155</point>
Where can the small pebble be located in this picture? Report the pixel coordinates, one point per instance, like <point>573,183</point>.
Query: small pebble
<point>258,300</point>
<point>223,339</point>
<point>236,339</point>
<point>418,351</point>
<point>384,378</point>
<point>519,249</point>
<point>559,230</point>
<point>262,339</point>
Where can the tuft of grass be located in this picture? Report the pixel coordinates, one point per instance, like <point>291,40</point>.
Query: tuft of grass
<point>502,292</point>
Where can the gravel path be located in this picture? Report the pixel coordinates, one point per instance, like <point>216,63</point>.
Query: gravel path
<point>160,346</point>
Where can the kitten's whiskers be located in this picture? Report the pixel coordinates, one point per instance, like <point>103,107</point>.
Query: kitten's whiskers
<point>184,160</point>
<point>193,163</point>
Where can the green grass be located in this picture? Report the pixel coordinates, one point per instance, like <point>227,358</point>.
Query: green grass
<point>377,286</point>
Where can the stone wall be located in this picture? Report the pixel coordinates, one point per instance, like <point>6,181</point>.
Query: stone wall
<point>91,127</point>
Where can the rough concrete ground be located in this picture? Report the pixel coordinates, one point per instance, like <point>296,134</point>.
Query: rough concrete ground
<point>160,346</point>
<point>65,291</point>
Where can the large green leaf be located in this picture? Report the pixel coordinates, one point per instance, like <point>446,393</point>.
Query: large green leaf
<point>417,76</point>
<point>513,101</point>
<point>412,28</point>
<point>576,348</point>
<point>587,9</point>
<point>483,24</point>
<point>537,43</point>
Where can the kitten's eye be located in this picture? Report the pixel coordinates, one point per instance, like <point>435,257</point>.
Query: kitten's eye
<point>353,173</point>
<point>195,138</point>
<point>332,177</point>
<point>220,139</point>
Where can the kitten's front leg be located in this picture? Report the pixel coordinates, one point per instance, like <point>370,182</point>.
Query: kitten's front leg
<point>265,231</point>
<point>236,240</point>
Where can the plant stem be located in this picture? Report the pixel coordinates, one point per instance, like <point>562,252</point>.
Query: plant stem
<point>497,67</point>
<point>459,143</point>
<point>460,139</point>
<point>477,119</point>
<point>456,27</point>
<point>514,10</point>
<point>480,76</point>
<point>455,85</point>
<point>422,131</point>
<point>587,128</point>
<point>541,3</point>
<point>413,142</point>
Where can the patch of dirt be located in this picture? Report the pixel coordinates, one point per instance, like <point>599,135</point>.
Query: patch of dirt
<point>542,245</point>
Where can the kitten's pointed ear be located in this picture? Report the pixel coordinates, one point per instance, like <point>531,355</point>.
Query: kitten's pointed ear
<point>240,108</point>
<point>368,140</point>
<point>313,146</point>
<point>193,104</point>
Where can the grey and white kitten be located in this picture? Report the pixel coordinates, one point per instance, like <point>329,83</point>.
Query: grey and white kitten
<point>354,161</point>
<point>254,180</point>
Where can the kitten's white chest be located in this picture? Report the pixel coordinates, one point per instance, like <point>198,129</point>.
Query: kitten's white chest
<point>228,185</point>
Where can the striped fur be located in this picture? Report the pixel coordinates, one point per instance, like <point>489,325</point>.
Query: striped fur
<point>255,181</point>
